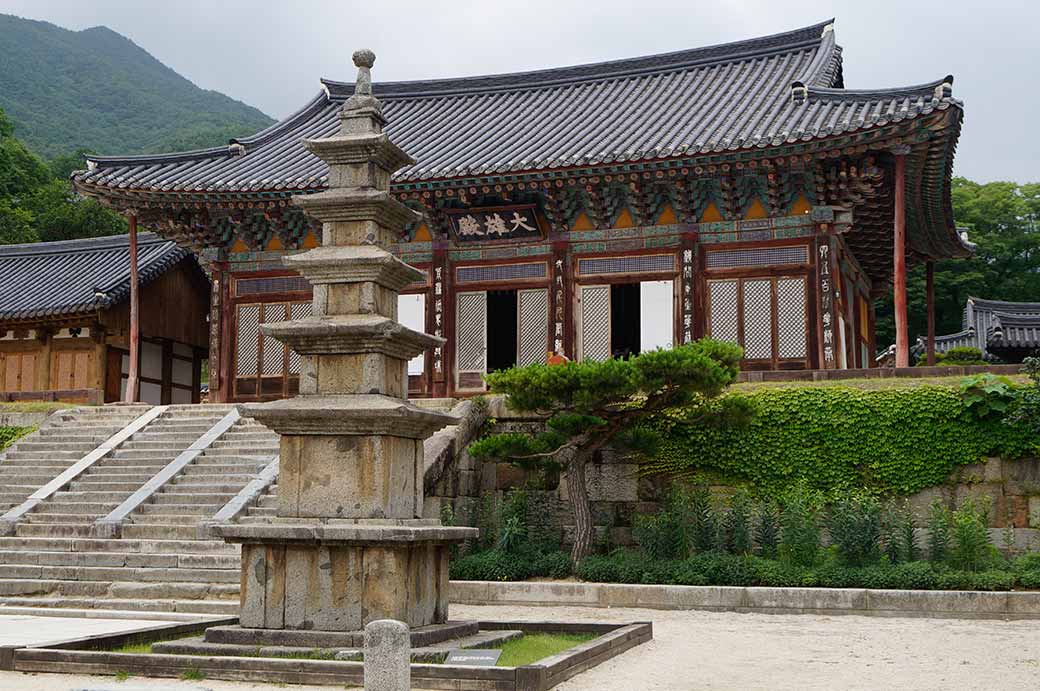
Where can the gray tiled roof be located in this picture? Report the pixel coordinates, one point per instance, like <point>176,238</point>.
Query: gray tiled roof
<point>1014,331</point>
<point>50,279</point>
<point>724,98</point>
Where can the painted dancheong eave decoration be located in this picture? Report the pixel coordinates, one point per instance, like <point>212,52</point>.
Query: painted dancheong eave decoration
<point>735,162</point>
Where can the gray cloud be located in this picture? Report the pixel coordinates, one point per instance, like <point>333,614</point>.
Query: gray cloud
<point>271,54</point>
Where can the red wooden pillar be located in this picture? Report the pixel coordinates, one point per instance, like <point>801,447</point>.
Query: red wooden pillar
<point>930,299</point>
<point>135,324</point>
<point>899,257</point>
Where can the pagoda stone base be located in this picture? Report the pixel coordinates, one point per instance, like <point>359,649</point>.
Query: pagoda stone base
<point>341,574</point>
<point>421,637</point>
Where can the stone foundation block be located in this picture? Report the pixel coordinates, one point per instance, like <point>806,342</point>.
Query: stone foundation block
<point>343,587</point>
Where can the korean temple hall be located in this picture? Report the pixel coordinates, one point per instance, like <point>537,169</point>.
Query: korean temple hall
<point>737,191</point>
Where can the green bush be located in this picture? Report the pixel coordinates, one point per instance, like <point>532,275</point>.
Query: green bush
<point>940,524</point>
<point>956,357</point>
<point>767,529</point>
<point>735,528</point>
<point>971,550</point>
<point>662,535</point>
<point>9,435</point>
<point>854,525</point>
<point>834,439</point>
<point>800,527</point>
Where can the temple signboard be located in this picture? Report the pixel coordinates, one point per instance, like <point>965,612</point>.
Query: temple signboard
<point>519,222</point>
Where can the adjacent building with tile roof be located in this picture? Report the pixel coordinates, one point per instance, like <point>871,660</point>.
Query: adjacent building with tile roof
<point>64,319</point>
<point>1002,330</point>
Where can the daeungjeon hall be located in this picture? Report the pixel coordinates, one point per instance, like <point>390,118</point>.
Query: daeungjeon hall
<point>738,191</point>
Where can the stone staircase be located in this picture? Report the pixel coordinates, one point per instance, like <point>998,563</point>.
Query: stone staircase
<point>203,487</point>
<point>115,477</point>
<point>161,562</point>
<point>63,439</point>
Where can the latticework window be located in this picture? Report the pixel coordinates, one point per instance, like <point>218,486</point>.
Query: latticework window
<point>648,263</point>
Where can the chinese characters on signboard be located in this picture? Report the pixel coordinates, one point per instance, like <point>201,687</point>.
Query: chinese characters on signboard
<point>482,225</point>
<point>826,302</point>
<point>687,293</point>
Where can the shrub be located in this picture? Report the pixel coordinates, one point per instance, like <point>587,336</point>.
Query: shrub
<point>940,523</point>
<point>956,357</point>
<point>854,525</point>
<point>800,528</point>
<point>735,531</point>
<point>663,535</point>
<point>491,565</point>
<point>971,548</point>
<point>907,533</point>
<point>986,395</point>
<point>703,520</point>
<point>552,565</point>
<point>1029,579</point>
<point>767,529</point>
<point>9,435</point>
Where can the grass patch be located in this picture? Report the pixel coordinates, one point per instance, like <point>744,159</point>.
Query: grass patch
<point>122,675</point>
<point>193,674</point>
<point>533,647</point>
<point>37,406</point>
<point>138,648</point>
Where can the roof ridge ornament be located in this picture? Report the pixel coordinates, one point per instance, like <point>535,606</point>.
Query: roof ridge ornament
<point>799,92</point>
<point>945,89</point>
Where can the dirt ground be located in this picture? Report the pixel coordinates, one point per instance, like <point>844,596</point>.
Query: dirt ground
<point>702,650</point>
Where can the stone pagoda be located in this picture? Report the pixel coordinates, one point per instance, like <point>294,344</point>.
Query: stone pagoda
<point>349,544</point>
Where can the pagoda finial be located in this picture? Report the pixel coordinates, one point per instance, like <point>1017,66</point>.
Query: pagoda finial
<point>363,60</point>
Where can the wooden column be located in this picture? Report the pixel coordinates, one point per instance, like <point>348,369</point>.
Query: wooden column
<point>930,299</point>
<point>135,324</point>
<point>899,257</point>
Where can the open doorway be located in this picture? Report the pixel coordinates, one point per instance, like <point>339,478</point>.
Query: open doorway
<point>624,320</point>
<point>501,329</point>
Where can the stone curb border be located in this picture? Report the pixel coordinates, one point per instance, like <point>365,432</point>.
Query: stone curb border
<point>861,601</point>
<point>245,498</point>
<point>92,655</point>
<point>9,521</point>
<point>111,525</point>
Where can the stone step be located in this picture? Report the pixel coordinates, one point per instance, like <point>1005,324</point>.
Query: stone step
<point>33,529</point>
<point>207,486</point>
<point>262,510</point>
<point>38,463</point>
<point>107,485</point>
<point>90,496</point>
<point>132,458</point>
<point>147,511</point>
<point>242,451</point>
<point>56,447</point>
<point>118,589</point>
<point>183,498</point>
<point>121,559</point>
<point>35,479</point>
<point>138,546</point>
<point>71,518</point>
<point>159,531</point>
<point>89,481</point>
<point>174,520</point>
<point>116,574</point>
<point>74,507</point>
<point>143,444</point>
<point>196,469</point>
<point>228,607</point>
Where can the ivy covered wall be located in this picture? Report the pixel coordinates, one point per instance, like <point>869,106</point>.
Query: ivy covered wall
<point>835,438</point>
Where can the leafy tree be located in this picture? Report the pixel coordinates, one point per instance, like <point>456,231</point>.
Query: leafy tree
<point>592,404</point>
<point>37,201</point>
<point>1003,219</point>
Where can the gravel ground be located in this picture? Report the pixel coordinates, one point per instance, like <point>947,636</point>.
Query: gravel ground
<point>705,650</point>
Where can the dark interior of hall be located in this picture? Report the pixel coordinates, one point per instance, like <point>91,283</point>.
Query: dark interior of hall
<point>501,329</point>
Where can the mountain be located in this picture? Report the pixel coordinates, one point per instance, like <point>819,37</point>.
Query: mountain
<point>98,90</point>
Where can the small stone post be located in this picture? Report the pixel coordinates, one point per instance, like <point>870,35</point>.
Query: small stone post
<point>387,656</point>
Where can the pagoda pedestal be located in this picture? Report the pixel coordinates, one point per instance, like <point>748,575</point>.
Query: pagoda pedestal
<point>349,544</point>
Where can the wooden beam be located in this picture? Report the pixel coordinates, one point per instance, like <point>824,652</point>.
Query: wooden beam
<point>135,318</point>
<point>930,299</point>
<point>899,258</point>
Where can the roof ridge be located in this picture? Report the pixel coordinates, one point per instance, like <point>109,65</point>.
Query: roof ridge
<point>80,244</point>
<point>924,89</point>
<point>717,53</point>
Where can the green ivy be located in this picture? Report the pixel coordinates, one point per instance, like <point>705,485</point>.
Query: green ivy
<point>838,439</point>
<point>9,435</point>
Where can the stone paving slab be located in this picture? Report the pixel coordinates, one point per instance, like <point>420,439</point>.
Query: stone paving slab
<point>25,629</point>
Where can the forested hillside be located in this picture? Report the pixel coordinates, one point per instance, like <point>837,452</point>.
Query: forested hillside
<point>97,90</point>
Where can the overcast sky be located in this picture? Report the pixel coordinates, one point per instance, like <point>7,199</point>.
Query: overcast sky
<point>271,54</point>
